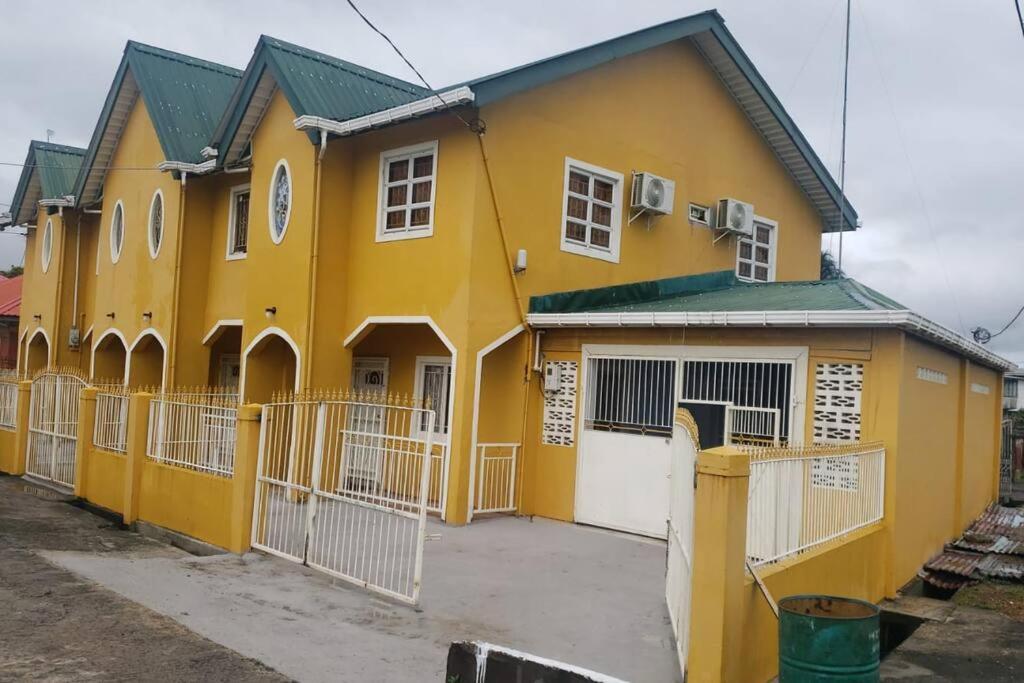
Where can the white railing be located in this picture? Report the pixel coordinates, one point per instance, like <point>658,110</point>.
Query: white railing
<point>801,498</point>
<point>496,477</point>
<point>8,404</point>
<point>196,433</point>
<point>753,426</point>
<point>111,429</point>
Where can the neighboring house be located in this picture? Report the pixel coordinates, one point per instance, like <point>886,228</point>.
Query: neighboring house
<point>318,224</point>
<point>10,306</point>
<point>1013,396</point>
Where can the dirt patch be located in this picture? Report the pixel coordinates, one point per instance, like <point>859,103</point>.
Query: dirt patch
<point>57,626</point>
<point>1005,598</point>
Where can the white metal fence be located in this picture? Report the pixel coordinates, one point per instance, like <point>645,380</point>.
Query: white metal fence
<point>496,477</point>
<point>111,430</point>
<point>802,497</point>
<point>679,563</point>
<point>196,432</point>
<point>8,404</point>
<point>343,486</point>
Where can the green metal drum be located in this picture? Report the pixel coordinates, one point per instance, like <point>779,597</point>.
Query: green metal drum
<point>825,638</point>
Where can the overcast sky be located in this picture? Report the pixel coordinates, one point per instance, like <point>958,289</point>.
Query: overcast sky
<point>935,151</point>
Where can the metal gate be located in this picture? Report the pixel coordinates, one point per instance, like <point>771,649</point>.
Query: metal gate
<point>53,426</point>
<point>679,563</point>
<point>342,486</point>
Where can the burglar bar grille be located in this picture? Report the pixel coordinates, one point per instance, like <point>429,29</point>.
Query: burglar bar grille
<point>752,384</point>
<point>632,395</point>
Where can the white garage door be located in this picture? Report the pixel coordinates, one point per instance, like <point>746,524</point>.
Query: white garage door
<point>625,451</point>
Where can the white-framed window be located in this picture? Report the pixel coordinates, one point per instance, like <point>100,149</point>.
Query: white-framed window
<point>755,255</point>
<point>408,184</point>
<point>46,250</point>
<point>591,211</point>
<point>238,222</point>
<point>280,203</point>
<point>156,223</point>
<point>432,384</point>
<point>117,231</point>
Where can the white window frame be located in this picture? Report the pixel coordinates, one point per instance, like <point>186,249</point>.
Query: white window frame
<point>46,249</point>
<point>421,366</point>
<point>409,232</point>
<point>611,254</point>
<point>154,249</point>
<point>230,255</point>
<point>282,163</point>
<point>773,248</point>
<point>115,253</point>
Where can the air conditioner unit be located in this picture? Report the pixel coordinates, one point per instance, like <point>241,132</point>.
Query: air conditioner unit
<point>734,216</point>
<point>653,194</point>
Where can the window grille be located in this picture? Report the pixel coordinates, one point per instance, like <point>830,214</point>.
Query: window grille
<point>240,222</point>
<point>632,395</point>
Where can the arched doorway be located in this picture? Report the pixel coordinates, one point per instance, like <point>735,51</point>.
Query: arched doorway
<point>270,364</point>
<point>146,360</point>
<point>109,357</point>
<point>37,352</point>
<point>225,343</point>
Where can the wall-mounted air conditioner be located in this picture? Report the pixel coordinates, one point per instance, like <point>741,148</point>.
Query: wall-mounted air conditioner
<point>735,217</point>
<point>653,194</point>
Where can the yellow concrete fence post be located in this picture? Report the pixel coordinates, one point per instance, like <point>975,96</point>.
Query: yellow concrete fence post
<point>138,431</point>
<point>83,440</point>
<point>719,554</point>
<point>243,482</point>
<point>21,427</point>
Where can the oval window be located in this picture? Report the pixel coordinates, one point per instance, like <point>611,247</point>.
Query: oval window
<point>280,201</point>
<point>117,232</point>
<point>156,223</point>
<point>47,246</point>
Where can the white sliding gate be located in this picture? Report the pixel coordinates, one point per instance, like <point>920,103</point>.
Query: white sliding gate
<point>339,498</point>
<point>53,427</point>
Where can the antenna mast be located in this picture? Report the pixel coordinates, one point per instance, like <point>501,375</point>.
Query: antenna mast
<point>842,149</point>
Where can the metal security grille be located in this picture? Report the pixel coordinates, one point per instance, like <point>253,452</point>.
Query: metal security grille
<point>111,430</point>
<point>194,431</point>
<point>756,396</point>
<point>632,395</point>
<point>53,427</point>
<point>8,403</point>
<point>342,486</point>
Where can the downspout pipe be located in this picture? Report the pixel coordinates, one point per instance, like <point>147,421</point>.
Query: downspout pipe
<point>314,258</point>
<point>172,350</point>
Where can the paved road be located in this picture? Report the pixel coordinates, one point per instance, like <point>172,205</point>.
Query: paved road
<point>57,626</point>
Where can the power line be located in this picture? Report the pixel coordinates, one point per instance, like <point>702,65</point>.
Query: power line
<point>95,168</point>
<point>1020,17</point>
<point>842,147</point>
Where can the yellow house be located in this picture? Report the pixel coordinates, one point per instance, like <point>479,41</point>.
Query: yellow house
<point>556,257</point>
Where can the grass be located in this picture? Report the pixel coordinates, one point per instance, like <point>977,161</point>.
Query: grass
<point>1006,598</point>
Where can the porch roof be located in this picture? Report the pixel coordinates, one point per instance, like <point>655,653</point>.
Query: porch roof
<point>719,299</point>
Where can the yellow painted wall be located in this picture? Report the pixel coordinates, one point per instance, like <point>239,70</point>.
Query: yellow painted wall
<point>137,283</point>
<point>192,503</point>
<point>855,568</point>
<point>8,452</point>
<point>104,478</point>
<point>981,453</point>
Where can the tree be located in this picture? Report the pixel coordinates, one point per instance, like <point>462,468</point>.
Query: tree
<point>829,268</point>
<point>13,271</point>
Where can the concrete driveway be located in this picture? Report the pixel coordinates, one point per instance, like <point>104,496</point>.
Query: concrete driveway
<point>584,596</point>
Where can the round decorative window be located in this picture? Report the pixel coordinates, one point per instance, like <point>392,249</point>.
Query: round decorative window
<point>116,232</point>
<point>156,223</point>
<point>280,201</point>
<point>47,247</point>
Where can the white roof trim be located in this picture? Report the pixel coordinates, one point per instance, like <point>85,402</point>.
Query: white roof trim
<point>204,167</point>
<point>426,105</point>
<point>902,319</point>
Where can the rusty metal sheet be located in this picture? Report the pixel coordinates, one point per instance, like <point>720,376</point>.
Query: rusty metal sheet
<point>1007,567</point>
<point>945,579</point>
<point>955,562</point>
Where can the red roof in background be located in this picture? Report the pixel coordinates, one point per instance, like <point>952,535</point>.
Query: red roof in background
<point>10,296</point>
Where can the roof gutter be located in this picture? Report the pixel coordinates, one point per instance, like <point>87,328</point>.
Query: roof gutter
<point>185,167</point>
<point>901,319</point>
<point>421,107</point>
<point>68,200</point>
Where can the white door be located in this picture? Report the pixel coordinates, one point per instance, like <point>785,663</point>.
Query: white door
<point>365,424</point>
<point>625,450</point>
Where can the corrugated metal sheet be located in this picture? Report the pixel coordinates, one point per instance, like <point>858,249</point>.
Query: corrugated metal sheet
<point>49,173</point>
<point>992,547</point>
<point>721,293</point>
<point>10,297</point>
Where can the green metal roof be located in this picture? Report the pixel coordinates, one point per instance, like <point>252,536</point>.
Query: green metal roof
<point>49,173</point>
<point>718,291</point>
<point>315,84</point>
<point>185,97</point>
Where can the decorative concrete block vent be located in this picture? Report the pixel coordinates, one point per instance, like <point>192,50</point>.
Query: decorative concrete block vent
<point>473,662</point>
